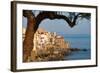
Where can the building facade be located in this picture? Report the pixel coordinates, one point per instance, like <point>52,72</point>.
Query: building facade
<point>44,40</point>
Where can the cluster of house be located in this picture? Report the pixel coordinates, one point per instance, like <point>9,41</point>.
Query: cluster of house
<point>45,40</point>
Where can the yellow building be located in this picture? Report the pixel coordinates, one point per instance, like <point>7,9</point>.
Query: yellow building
<point>61,42</point>
<point>43,39</point>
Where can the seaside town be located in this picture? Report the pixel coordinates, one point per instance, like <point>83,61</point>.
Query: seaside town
<point>48,46</point>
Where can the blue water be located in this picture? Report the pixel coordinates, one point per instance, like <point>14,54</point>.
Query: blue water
<point>78,55</point>
<point>81,42</point>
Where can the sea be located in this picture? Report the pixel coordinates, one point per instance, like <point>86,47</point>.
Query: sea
<point>81,41</point>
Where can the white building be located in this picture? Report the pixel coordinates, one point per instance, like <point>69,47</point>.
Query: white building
<point>43,38</point>
<point>40,39</point>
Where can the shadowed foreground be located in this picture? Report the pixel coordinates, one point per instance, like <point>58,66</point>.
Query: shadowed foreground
<point>50,54</point>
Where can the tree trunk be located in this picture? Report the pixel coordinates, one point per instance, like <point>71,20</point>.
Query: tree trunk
<point>29,37</point>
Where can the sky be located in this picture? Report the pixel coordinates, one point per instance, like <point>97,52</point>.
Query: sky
<point>59,25</point>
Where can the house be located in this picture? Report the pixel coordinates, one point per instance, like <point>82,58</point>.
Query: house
<point>40,39</point>
<point>43,39</point>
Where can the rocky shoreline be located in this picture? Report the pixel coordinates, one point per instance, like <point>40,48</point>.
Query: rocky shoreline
<point>48,55</point>
<point>77,49</point>
<point>51,54</point>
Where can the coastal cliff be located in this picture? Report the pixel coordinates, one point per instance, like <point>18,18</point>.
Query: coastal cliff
<point>48,46</point>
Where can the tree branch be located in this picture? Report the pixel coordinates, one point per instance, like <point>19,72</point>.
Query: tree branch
<point>52,15</point>
<point>75,19</point>
<point>28,13</point>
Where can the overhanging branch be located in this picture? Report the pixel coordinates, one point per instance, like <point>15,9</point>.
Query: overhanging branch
<point>53,15</point>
